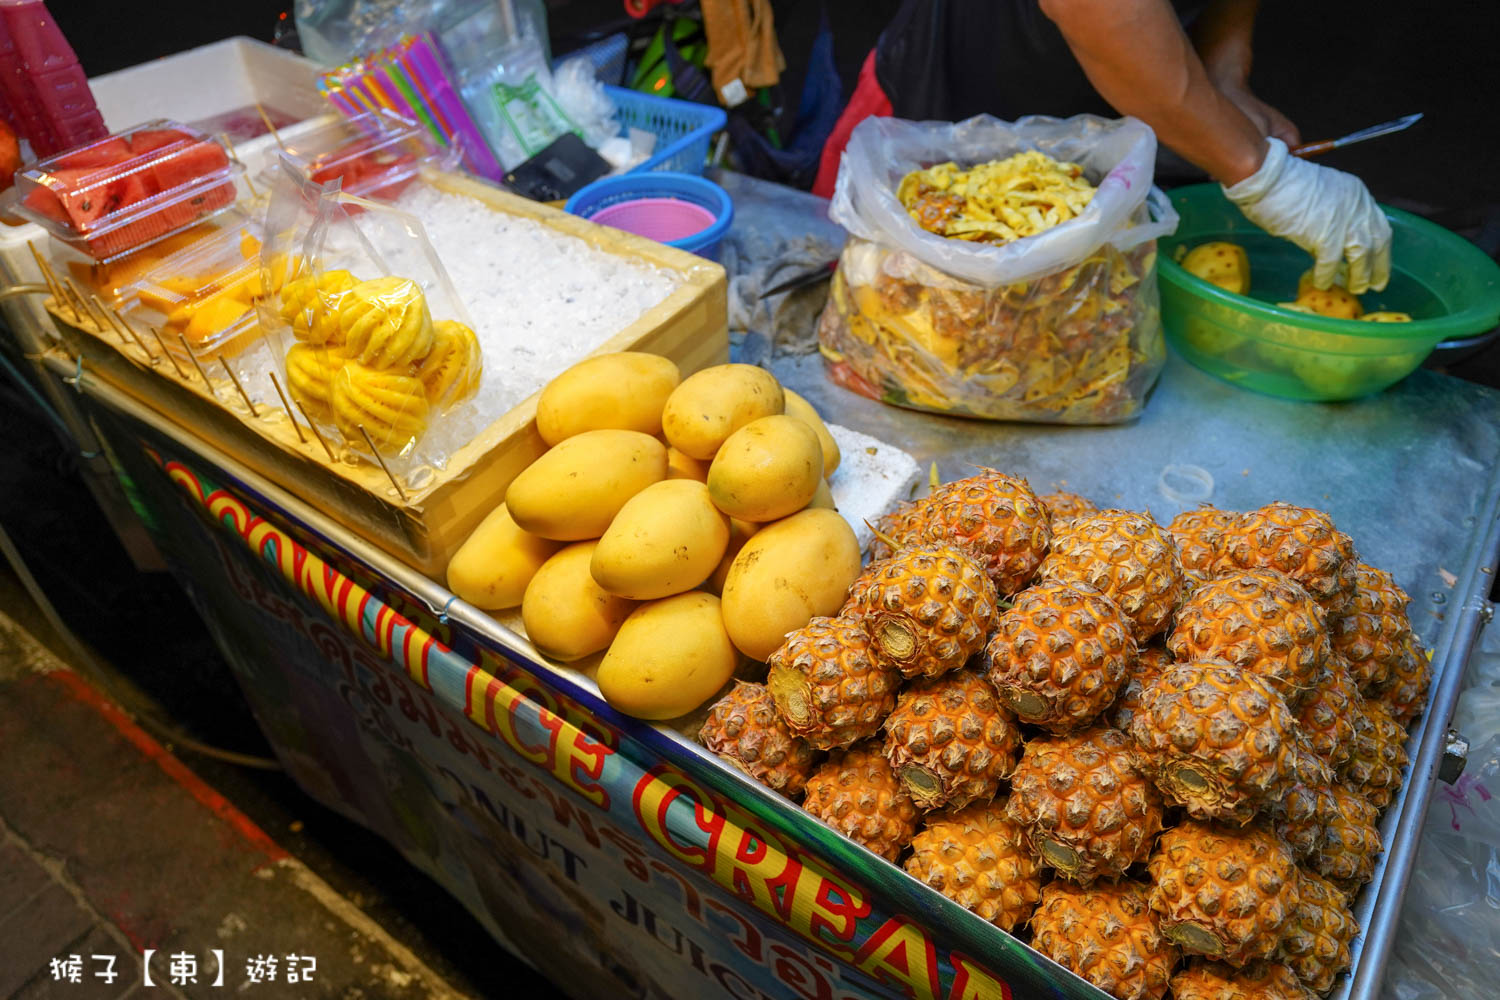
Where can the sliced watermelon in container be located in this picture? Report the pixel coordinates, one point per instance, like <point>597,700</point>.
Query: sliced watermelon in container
<point>115,195</point>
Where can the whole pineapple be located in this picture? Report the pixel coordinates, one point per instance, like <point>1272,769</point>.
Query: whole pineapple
<point>1224,892</point>
<point>995,518</point>
<point>1330,716</point>
<point>1260,621</point>
<point>1063,506</point>
<point>1404,695</point>
<point>1150,662</point>
<point>856,792</point>
<point>1257,981</point>
<point>1059,655</point>
<point>745,729</point>
<point>1300,542</point>
<point>1106,934</point>
<point>949,740</point>
<point>1316,944</point>
<point>927,610</point>
<point>1197,533</point>
<point>828,684</point>
<point>1216,740</point>
<point>979,859</point>
<point>1377,756</point>
<point>1087,809</point>
<point>1127,558</point>
<point>1303,819</point>
<point>1370,636</point>
<point>1350,842</point>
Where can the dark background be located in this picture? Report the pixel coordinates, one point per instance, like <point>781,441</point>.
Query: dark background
<point>1331,67</point>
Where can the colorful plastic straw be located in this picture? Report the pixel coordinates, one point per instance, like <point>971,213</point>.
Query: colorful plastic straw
<point>411,78</point>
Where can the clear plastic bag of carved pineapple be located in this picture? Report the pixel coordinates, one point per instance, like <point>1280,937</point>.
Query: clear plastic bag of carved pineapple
<point>376,345</point>
<point>999,270</point>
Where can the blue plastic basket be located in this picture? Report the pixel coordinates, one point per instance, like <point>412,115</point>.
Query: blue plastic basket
<point>607,56</point>
<point>630,187</point>
<point>682,128</point>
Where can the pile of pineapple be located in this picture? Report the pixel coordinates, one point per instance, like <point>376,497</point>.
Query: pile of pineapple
<point>1160,753</point>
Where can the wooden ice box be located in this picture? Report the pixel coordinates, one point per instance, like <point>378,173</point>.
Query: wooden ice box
<point>689,326</point>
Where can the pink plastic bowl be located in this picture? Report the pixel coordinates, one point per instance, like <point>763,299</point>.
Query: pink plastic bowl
<point>660,219</point>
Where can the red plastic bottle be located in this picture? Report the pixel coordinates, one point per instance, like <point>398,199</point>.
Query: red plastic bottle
<point>41,82</point>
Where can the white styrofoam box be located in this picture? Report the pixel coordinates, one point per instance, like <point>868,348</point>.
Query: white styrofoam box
<point>209,80</point>
<point>24,314</point>
<point>871,479</point>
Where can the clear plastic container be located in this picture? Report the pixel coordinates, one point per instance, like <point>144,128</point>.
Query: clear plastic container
<point>118,194</point>
<point>376,155</point>
<point>205,294</point>
<point>114,281</point>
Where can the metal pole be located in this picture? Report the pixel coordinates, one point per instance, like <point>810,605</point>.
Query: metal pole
<point>1453,657</point>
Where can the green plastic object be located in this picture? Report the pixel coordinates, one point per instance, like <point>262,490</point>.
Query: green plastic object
<point>1448,286</point>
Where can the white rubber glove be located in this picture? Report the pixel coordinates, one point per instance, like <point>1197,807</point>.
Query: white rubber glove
<point>1326,212</point>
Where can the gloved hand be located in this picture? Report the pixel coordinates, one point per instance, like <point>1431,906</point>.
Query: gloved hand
<point>1326,212</point>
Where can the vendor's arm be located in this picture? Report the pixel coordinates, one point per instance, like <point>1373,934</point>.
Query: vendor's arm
<point>1139,60</point>
<point>1222,35</point>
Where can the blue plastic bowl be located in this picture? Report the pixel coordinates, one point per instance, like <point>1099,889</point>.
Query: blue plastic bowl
<point>680,210</point>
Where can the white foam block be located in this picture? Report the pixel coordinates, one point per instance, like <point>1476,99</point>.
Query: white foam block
<point>872,478</point>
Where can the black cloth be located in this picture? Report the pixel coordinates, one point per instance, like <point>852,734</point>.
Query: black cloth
<point>947,60</point>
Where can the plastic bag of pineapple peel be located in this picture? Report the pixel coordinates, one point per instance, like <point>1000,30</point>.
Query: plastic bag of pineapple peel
<point>1060,325</point>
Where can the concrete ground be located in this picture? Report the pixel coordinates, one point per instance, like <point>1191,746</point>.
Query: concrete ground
<point>113,851</point>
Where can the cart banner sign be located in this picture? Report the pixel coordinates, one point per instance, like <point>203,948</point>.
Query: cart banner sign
<point>614,872</point>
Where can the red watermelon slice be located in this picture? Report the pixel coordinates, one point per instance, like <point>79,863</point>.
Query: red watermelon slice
<point>150,139</point>
<point>183,166</point>
<point>97,155</point>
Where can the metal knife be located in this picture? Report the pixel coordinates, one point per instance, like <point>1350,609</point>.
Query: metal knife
<point>1384,128</point>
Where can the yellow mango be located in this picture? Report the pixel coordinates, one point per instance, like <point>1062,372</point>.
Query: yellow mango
<point>707,407</point>
<point>1386,317</point>
<point>625,391</point>
<point>575,490</point>
<point>787,573</point>
<point>669,657</point>
<point>565,613</point>
<point>739,534</point>
<point>492,567</point>
<point>684,466</point>
<point>667,539</point>
<point>800,408</point>
<point>767,469</point>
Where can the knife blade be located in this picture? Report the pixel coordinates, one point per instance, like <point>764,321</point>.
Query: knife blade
<point>802,280</point>
<point>1384,128</point>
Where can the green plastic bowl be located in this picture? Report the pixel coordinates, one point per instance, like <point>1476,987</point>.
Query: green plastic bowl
<point>1448,286</point>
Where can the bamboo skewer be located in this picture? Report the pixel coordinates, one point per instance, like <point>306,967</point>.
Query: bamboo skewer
<point>201,373</point>
<point>118,324</point>
<point>316,433</point>
<point>170,356</point>
<point>236,380</point>
<point>49,277</point>
<point>136,334</point>
<point>292,416</point>
<point>79,304</point>
<point>269,127</point>
<point>235,155</point>
<point>383,467</point>
<point>97,318</point>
